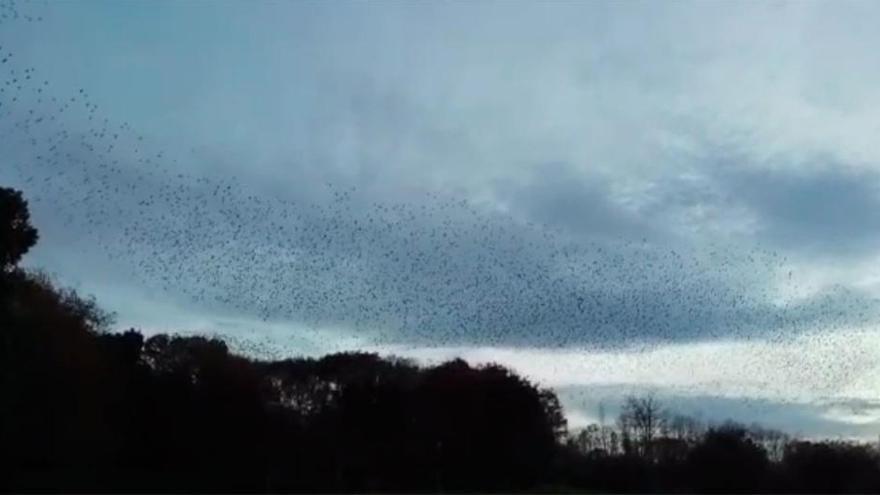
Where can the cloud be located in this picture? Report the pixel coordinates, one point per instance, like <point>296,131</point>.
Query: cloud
<point>567,263</point>
<point>638,236</point>
<point>822,211</point>
<point>843,366</point>
<point>819,208</point>
<point>561,196</point>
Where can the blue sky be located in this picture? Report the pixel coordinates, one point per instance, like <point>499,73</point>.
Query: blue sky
<point>640,195</point>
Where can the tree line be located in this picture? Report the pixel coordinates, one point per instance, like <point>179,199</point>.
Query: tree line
<point>652,449</point>
<point>83,408</point>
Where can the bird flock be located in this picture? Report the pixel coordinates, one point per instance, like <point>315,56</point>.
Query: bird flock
<point>18,11</point>
<point>429,270</point>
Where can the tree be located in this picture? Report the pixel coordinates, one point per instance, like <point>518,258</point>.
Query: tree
<point>728,461</point>
<point>683,428</point>
<point>641,417</point>
<point>587,440</point>
<point>17,235</point>
<point>772,441</point>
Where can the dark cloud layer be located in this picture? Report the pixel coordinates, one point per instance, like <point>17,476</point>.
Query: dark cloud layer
<point>821,209</point>
<point>433,269</point>
<point>559,195</point>
<point>826,210</point>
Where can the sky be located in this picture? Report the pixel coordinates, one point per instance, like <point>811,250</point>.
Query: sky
<point>675,198</point>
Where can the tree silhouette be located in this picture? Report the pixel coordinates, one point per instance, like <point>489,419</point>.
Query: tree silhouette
<point>641,420</point>
<point>728,461</point>
<point>17,235</point>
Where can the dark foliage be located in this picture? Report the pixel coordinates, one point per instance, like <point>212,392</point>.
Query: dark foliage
<point>825,467</point>
<point>17,235</point>
<point>84,409</point>
<point>728,461</point>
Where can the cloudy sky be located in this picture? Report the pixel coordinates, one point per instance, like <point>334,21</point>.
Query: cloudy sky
<point>626,197</point>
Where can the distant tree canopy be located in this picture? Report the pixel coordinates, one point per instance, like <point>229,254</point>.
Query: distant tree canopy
<point>87,409</point>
